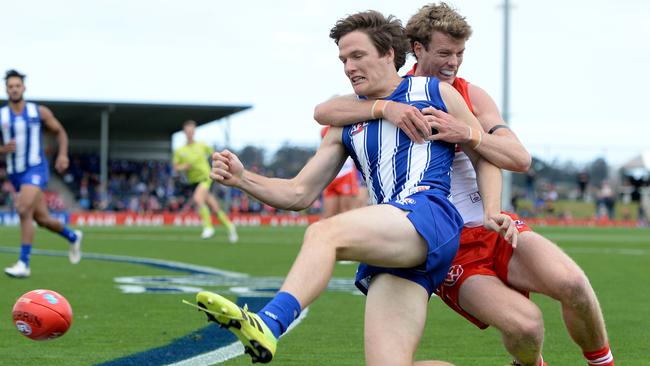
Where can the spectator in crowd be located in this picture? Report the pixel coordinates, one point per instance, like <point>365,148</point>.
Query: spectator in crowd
<point>531,175</point>
<point>606,201</point>
<point>583,181</point>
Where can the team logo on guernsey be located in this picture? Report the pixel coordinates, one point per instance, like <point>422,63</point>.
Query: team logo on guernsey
<point>405,201</point>
<point>453,275</point>
<point>519,224</point>
<point>358,127</point>
<point>418,189</point>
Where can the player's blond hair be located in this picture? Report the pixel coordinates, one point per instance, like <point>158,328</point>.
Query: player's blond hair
<point>436,17</point>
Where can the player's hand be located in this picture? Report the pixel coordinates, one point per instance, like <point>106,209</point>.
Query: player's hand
<point>10,146</point>
<point>504,225</point>
<point>226,168</point>
<point>408,119</point>
<point>449,128</point>
<point>61,164</point>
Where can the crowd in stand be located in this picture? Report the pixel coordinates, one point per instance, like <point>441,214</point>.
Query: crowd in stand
<point>153,187</point>
<point>141,186</point>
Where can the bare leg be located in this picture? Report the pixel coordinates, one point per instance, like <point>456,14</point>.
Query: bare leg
<point>43,218</point>
<point>538,265</point>
<point>353,235</point>
<point>396,311</point>
<point>517,318</point>
<point>212,202</point>
<point>25,205</point>
<point>347,203</point>
<point>200,194</point>
<point>331,206</point>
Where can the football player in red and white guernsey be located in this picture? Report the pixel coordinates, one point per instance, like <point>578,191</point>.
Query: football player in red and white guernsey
<point>489,280</point>
<point>341,195</point>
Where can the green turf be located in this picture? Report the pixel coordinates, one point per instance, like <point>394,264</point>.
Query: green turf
<point>109,324</point>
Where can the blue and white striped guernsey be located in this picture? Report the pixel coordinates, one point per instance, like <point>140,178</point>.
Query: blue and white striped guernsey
<point>392,165</point>
<point>25,128</point>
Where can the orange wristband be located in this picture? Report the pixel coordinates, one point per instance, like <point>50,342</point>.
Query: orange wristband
<point>375,105</point>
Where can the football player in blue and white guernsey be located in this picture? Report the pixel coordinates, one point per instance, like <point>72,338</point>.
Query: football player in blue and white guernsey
<point>394,239</point>
<point>21,126</point>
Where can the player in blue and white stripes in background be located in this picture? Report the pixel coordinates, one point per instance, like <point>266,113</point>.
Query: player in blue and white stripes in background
<point>21,125</point>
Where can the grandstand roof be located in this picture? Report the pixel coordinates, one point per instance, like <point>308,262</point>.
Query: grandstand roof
<point>153,120</point>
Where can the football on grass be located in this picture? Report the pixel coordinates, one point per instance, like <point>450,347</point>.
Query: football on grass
<point>42,315</point>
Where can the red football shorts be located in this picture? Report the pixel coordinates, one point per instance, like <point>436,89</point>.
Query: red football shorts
<point>345,185</point>
<point>481,252</point>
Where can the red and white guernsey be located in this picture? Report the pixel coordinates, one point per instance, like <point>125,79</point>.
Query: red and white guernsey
<point>464,189</point>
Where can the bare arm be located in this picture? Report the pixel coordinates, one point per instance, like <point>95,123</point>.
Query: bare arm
<point>53,125</point>
<point>348,109</point>
<point>502,148</point>
<point>289,194</point>
<point>181,167</point>
<point>488,175</point>
<point>9,147</point>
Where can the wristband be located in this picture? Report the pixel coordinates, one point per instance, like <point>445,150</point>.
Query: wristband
<point>372,109</point>
<point>469,135</point>
<point>496,127</point>
<point>375,105</point>
<point>383,107</point>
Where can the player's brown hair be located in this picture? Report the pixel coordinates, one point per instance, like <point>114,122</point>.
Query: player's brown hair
<point>384,32</point>
<point>436,17</point>
<point>189,122</point>
<point>14,74</point>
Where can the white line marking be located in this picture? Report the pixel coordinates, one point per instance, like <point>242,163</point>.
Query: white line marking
<point>172,265</point>
<point>228,352</point>
<point>622,251</point>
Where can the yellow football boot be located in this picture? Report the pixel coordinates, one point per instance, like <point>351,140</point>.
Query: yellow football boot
<point>256,337</point>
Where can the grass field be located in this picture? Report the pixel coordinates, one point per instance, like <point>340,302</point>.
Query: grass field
<point>110,324</point>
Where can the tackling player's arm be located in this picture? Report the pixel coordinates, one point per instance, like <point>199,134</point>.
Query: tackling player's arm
<point>488,175</point>
<point>53,125</point>
<point>295,194</point>
<point>348,109</point>
<point>499,144</point>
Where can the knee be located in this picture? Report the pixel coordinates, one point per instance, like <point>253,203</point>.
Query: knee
<point>23,210</point>
<point>322,233</point>
<point>575,290</point>
<point>526,326</point>
<point>318,232</point>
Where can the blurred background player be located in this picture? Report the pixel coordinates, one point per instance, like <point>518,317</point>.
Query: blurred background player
<point>341,195</point>
<point>193,160</point>
<point>21,125</point>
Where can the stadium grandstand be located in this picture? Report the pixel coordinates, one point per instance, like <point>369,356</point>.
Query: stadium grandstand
<point>120,155</point>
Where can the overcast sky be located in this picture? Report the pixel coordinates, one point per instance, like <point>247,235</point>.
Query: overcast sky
<point>578,77</point>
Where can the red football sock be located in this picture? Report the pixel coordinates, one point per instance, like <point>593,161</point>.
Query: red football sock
<point>601,357</point>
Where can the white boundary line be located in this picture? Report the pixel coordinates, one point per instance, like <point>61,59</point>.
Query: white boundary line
<point>228,352</point>
<point>172,265</point>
